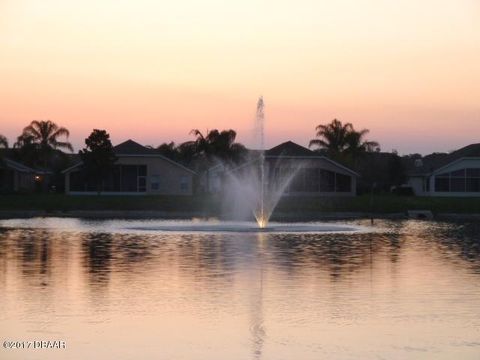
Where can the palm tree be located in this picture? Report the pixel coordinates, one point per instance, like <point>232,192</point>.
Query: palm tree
<point>40,139</point>
<point>169,150</point>
<point>218,144</point>
<point>27,149</point>
<point>337,138</point>
<point>46,133</point>
<point>186,152</point>
<point>356,145</point>
<point>332,137</point>
<point>3,141</point>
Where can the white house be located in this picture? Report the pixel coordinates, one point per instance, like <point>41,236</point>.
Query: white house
<point>138,171</point>
<point>454,174</point>
<point>316,175</point>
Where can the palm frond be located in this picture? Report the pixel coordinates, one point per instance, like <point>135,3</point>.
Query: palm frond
<point>32,130</point>
<point>318,142</point>
<point>60,132</point>
<point>63,145</point>
<point>197,133</point>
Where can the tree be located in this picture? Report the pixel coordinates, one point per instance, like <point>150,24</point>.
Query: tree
<point>43,136</point>
<point>342,141</point>
<point>186,152</point>
<point>3,142</point>
<point>357,146</point>
<point>98,157</point>
<point>219,144</point>
<point>332,137</point>
<point>27,150</point>
<point>47,134</point>
<point>168,150</point>
<point>396,170</point>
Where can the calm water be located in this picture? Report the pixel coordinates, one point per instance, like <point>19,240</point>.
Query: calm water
<point>408,290</point>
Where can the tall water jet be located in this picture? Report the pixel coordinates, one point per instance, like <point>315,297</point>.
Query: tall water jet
<point>259,210</point>
<point>257,185</point>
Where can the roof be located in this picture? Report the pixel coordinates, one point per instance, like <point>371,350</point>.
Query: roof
<point>7,161</point>
<point>289,148</point>
<point>132,148</point>
<point>435,161</point>
<point>18,166</point>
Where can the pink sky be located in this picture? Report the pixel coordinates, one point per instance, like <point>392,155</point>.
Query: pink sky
<point>152,71</point>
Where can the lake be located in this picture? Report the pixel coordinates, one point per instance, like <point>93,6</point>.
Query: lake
<point>120,289</point>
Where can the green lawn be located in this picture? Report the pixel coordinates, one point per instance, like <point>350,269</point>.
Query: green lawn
<point>385,203</point>
<point>381,203</point>
<point>51,202</point>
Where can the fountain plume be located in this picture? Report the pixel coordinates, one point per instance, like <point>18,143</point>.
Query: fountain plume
<point>258,185</point>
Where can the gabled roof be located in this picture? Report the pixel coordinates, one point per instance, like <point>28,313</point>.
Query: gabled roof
<point>433,162</point>
<point>289,148</point>
<point>17,166</point>
<point>12,164</point>
<point>131,147</point>
<point>6,161</point>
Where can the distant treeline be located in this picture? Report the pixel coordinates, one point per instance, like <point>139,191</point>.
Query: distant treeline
<point>41,143</point>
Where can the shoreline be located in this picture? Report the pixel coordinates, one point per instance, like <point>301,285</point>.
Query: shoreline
<point>170,215</point>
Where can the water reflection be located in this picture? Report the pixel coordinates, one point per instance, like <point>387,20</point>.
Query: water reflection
<point>97,254</point>
<point>259,296</point>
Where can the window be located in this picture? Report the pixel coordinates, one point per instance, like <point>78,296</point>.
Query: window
<point>142,178</point>
<point>142,184</point>
<point>442,184</point>
<point>473,184</point>
<point>155,182</point>
<point>298,181</point>
<point>312,179</point>
<point>457,184</point>
<point>327,181</point>
<point>129,181</point>
<point>131,178</point>
<point>343,183</point>
<point>463,180</point>
<point>473,180</point>
<point>183,184</point>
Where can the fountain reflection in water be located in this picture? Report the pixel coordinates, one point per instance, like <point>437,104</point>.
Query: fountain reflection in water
<point>258,185</point>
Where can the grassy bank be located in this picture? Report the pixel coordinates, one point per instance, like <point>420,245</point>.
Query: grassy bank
<point>61,202</point>
<point>385,203</point>
<point>381,204</point>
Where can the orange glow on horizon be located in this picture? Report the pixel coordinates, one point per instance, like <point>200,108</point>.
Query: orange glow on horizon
<point>152,71</point>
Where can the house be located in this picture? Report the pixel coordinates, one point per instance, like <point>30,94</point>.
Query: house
<point>18,177</point>
<point>315,174</point>
<point>138,171</point>
<point>454,174</point>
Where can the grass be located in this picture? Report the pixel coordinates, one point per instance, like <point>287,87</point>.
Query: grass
<point>62,202</point>
<point>384,203</point>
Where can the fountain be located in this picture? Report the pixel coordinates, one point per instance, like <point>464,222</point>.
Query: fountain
<point>253,189</point>
<point>259,210</point>
<point>258,185</point>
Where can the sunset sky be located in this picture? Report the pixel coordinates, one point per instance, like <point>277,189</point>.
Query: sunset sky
<point>152,70</point>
